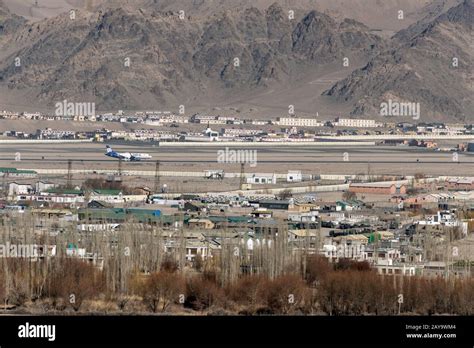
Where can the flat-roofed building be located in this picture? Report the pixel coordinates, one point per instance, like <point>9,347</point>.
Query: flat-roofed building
<point>298,122</point>
<point>355,123</point>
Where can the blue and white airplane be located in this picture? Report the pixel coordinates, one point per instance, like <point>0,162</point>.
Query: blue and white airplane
<point>127,156</point>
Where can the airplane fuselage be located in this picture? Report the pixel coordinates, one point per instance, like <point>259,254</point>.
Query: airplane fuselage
<point>127,156</point>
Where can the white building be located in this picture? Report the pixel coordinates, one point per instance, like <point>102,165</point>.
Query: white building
<point>298,122</point>
<point>262,179</point>
<point>235,132</point>
<point>173,119</point>
<point>294,176</point>
<point>53,198</point>
<point>42,186</point>
<point>303,217</point>
<point>355,123</point>
<point>382,256</point>
<point>402,269</point>
<point>15,189</point>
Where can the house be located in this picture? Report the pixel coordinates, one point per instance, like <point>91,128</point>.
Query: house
<point>97,205</point>
<point>381,256</point>
<point>262,179</point>
<point>120,215</point>
<point>294,176</point>
<point>41,186</point>
<point>465,184</point>
<point>194,207</point>
<point>303,235</point>
<point>303,207</point>
<point>349,205</point>
<point>107,195</point>
<point>310,216</point>
<point>201,223</point>
<point>15,189</point>
<point>193,248</point>
<point>384,188</point>
<point>444,218</point>
<point>298,122</point>
<point>266,227</point>
<point>283,204</point>
<point>67,197</point>
<point>402,269</point>
<point>349,247</point>
<point>355,123</point>
<point>262,213</point>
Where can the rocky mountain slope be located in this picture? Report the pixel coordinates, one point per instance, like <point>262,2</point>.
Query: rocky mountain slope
<point>373,13</point>
<point>420,67</point>
<point>9,22</point>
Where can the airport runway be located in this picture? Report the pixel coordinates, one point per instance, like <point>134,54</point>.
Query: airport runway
<point>283,161</point>
<point>310,159</point>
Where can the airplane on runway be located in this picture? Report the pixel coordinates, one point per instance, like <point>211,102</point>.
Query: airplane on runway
<point>127,156</point>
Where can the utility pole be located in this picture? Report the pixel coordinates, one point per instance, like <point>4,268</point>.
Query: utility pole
<point>157,177</point>
<point>69,174</point>
<point>4,183</point>
<point>242,175</point>
<point>120,168</point>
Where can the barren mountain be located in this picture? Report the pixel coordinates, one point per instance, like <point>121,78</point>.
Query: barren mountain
<point>430,64</point>
<point>174,61</point>
<point>9,22</point>
<point>373,13</point>
<point>242,54</point>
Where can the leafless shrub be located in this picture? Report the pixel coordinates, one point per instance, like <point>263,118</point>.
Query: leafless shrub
<point>283,294</point>
<point>169,264</point>
<point>202,293</point>
<point>74,281</point>
<point>245,290</point>
<point>161,289</point>
<point>317,268</point>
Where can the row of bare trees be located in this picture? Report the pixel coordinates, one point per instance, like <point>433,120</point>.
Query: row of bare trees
<point>128,270</point>
<point>325,289</point>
